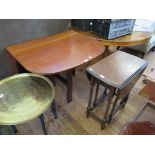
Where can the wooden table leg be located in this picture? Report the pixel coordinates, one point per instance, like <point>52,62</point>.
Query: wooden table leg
<point>74,71</point>
<point>69,85</point>
<point>68,81</point>
<point>118,47</point>
<point>125,100</point>
<point>41,117</point>
<point>107,52</point>
<point>14,129</point>
<point>113,109</point>
<point>92,82</point>
<point>110,96</point>
<point>53,109</point>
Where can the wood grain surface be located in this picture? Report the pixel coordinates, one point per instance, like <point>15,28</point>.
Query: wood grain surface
<point>135,38</point>
<point>56,53</point>
<point>117,68</point>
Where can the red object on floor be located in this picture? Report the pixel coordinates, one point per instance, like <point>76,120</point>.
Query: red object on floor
<point>138,128</point>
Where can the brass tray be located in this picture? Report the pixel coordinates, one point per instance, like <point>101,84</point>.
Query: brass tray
<point>24,97</point>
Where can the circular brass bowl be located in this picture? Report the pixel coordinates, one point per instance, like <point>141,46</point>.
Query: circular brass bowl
<point>24,97</point>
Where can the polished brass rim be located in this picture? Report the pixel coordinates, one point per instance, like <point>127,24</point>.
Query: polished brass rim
<point>30,75</point>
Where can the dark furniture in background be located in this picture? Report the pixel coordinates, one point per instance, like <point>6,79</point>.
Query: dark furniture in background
<point>107,28</point>
<point>112,28</point>
<point>81,24</point>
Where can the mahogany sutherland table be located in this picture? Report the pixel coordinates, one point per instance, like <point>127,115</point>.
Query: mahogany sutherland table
<point>54,54</point>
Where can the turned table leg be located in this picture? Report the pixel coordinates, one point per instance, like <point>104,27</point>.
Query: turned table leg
<point>104,120</point>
